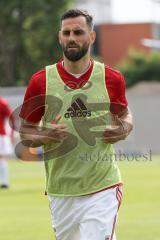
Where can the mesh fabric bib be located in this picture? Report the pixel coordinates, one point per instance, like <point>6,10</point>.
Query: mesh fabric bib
<point>82,163</point>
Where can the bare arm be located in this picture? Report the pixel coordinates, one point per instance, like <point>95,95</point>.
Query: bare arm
<point>38,136</point>
<point>124,122</point>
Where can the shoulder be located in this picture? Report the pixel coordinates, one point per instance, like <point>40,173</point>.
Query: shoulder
<point>39,76</point>
<point>37,83</point>
<point>113,74</point>
<point>114,79</point>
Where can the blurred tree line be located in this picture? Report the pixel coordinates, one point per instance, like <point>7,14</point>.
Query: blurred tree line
<point>140,66</point>
<point>28,37</point>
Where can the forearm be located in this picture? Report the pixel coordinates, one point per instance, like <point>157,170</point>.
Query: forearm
<point>34,137</point>
<point>38,136</point>
<point>127,121</point>
<point>33,141</point>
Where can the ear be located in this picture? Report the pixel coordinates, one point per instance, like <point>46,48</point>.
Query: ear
<point>59,36</point>
<point>93,36</point>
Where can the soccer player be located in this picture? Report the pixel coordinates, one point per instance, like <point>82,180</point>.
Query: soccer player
<point>6,139</point>
<point>76,109</point>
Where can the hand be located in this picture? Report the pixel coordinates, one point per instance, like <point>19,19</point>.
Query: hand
<point>116,133</point>
<point>57,133</point>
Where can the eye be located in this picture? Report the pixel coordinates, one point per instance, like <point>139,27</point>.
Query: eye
<point>66,32</point>
<point>78,32</point>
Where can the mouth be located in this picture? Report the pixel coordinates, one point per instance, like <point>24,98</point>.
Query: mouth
<point>72,47</point>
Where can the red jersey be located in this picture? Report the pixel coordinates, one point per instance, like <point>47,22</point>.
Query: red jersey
<point>5,112</point>
<point>114,81</point>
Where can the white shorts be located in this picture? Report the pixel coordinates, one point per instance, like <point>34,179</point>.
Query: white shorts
<point>90,217</point>
<point>6,147</point>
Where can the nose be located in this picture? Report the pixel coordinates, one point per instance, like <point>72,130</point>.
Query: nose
<point>71,36</point>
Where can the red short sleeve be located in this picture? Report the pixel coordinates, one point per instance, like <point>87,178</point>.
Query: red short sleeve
<point>33,105</point>
<point>4,108</point>
<point>5,113</point>
<point>116,87</point>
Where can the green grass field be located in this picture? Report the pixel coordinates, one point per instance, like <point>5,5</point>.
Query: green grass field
<point>24,213</point>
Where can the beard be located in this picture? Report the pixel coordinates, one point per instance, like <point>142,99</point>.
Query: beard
<point>76,53</point>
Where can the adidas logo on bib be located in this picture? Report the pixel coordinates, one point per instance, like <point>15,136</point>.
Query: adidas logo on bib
<point>77,109</point>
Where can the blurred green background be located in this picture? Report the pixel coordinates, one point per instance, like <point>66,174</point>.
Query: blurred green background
<point>28,36</point>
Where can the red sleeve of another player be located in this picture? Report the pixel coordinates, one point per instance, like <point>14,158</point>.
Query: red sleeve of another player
<point>12,120</point>
<point>115,84</point>
<point>7,109</point>
<point>33,105</point>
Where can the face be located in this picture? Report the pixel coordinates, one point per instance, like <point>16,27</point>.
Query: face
<point>75,38</point>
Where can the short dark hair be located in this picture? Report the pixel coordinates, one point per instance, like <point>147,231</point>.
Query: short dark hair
<point>72,13</point>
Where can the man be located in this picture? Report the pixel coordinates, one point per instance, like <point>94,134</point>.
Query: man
<point>85,113</point>
<point>6,140</point>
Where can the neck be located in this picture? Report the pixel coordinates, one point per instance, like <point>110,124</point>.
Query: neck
<point>77,67</point>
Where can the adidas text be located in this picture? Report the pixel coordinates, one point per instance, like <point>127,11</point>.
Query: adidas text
<point>77,114</point>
